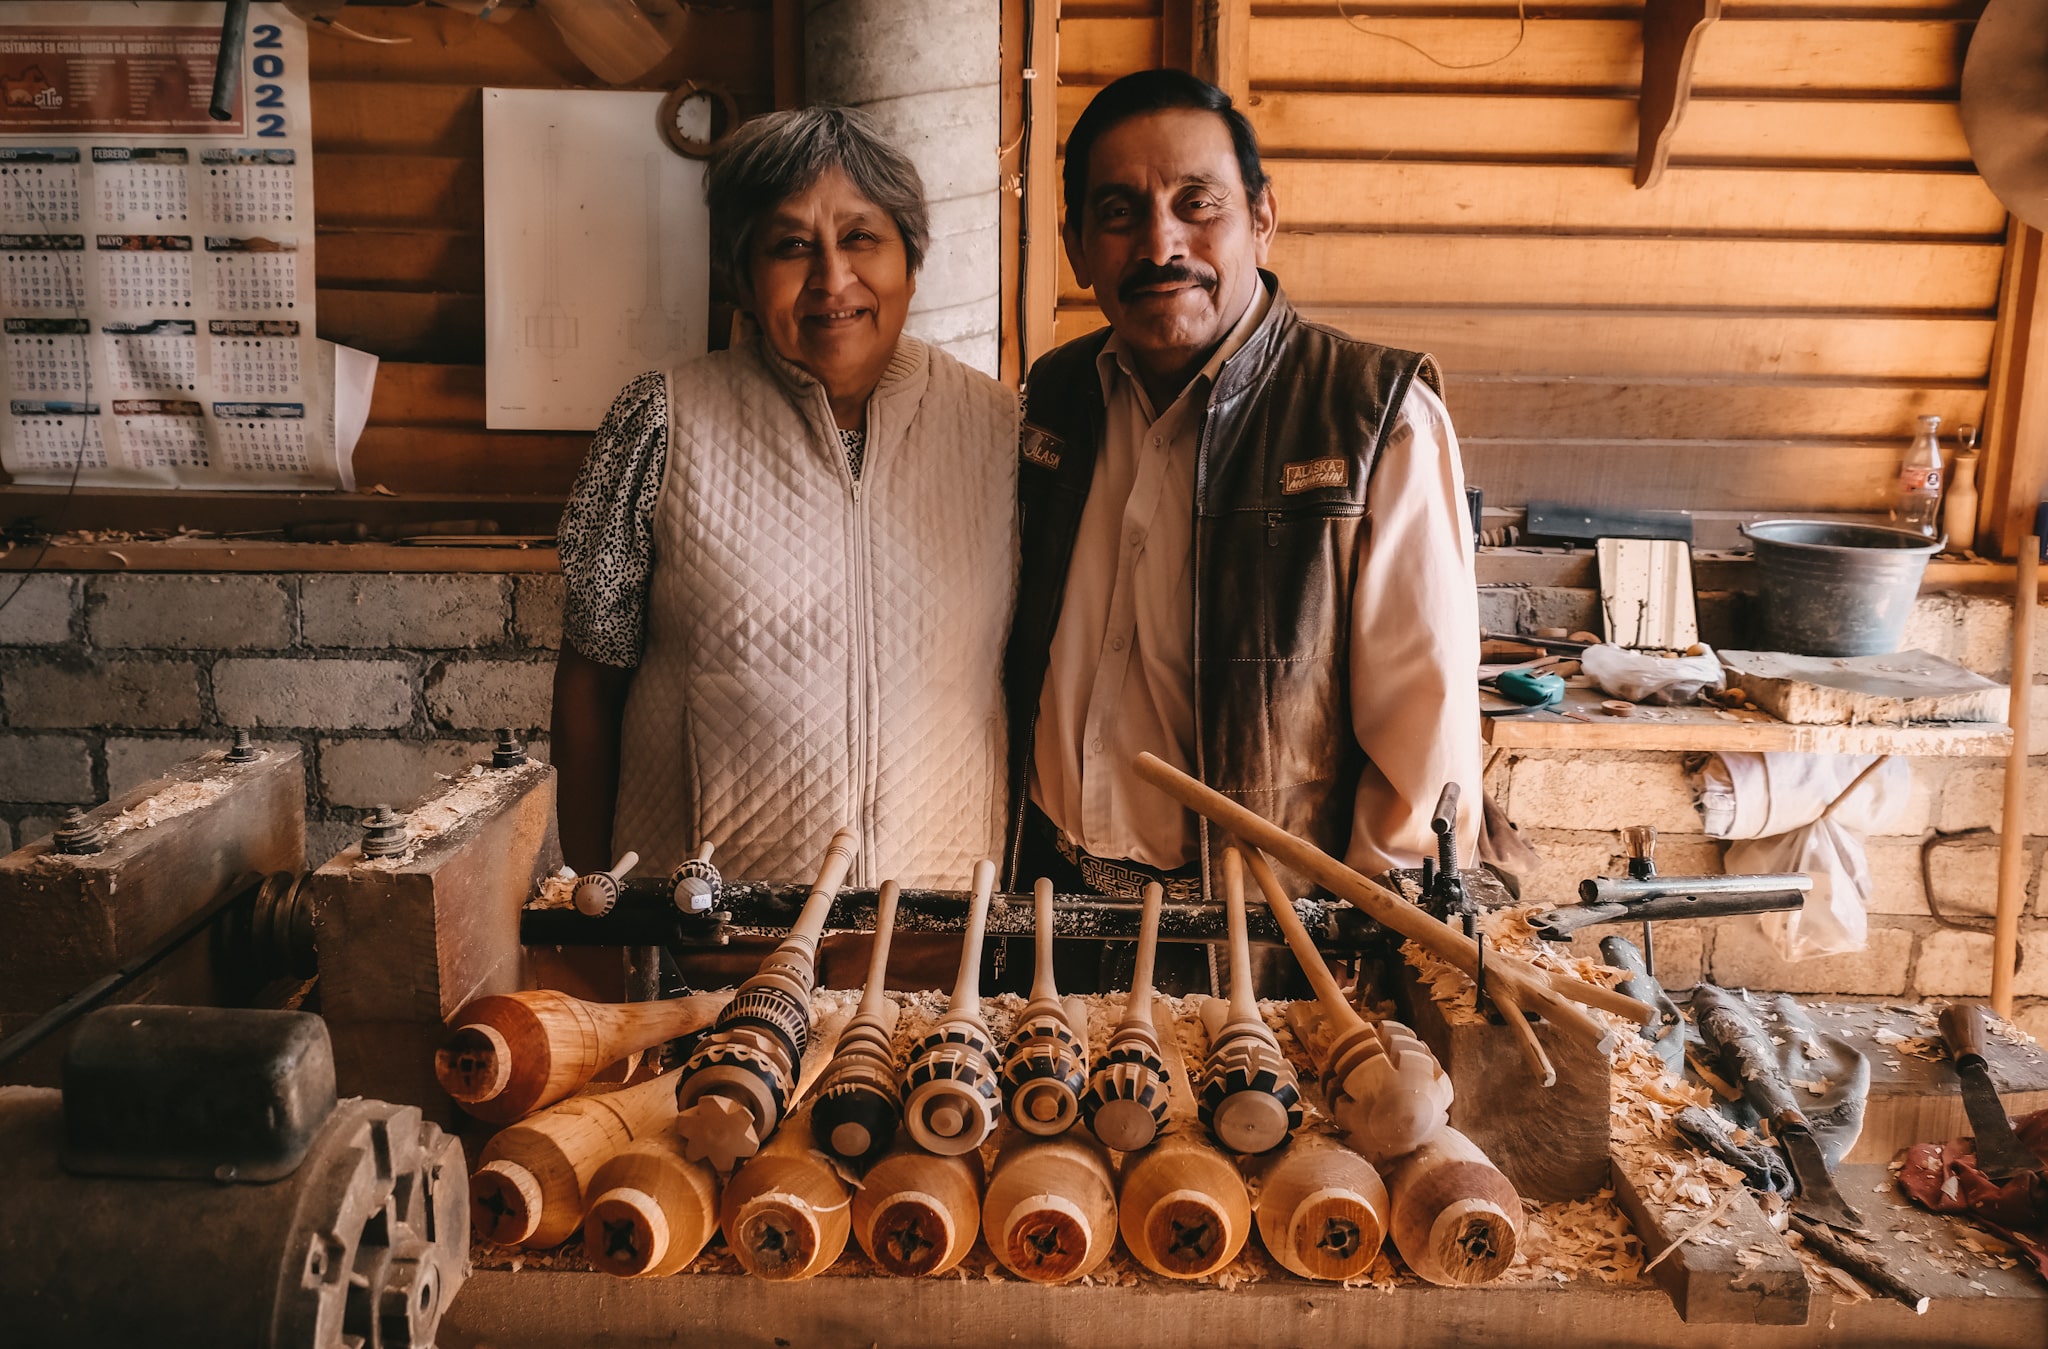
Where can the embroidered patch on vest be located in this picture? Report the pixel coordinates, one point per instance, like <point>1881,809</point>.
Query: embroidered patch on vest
<point>1308,474</point>
<point>1039,446</point>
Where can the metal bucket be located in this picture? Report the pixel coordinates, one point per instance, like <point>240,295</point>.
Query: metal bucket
<point>1831,589</point>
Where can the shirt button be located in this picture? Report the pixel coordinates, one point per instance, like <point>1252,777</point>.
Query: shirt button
<point>1157,442</point>
<point>1137,537</point>
<point>1116,644</point>
<point>1095,748</point>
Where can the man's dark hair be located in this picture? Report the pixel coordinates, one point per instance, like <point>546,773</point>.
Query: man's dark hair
<point>1155,91</point>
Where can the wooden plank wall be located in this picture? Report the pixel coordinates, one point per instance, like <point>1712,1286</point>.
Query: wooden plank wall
<point>1819,265</point>
<point>398,201</point>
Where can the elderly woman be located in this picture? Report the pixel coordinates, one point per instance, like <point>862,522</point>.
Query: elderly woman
<point>790,564</point>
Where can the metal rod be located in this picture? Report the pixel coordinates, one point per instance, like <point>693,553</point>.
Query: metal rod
<point>1628,890</point>
<point>227,64</point>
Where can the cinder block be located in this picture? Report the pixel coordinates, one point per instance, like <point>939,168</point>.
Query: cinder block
<point>1913,814</point>
<point>1562,607</point>
<point>1895,877</point>
<point>387,771</point>
<point>158,695</point>
<point>326,838</point>
<point>1958,965</point>
<point>33,829</point>
<point>6,837</point>
<point>1965,875</point>
<point>537,610</point>
<point>1567,860</point>
<point>476,695</point>
<point>369,695</point>
<point>1936,626</point>
<point>1742,957</point>
<point>132,760</point>
<point>212,613</point>
<point>41,614</point>
<point>419,612</point>
<point>2032,1018</point>
<point>1973,797</point>
<point>1601,792</point>
<point>54,769</point>
<point>1500,608</point>
<point>1986,639</point>
<point>1679,950</point>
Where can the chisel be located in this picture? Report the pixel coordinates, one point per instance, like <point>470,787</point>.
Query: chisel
<point>1726,1023</point>
<point>1999,1155</point>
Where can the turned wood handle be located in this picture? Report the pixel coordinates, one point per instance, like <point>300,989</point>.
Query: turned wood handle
<point>1243,1006</point>
<point>966,1001</point>
<point>1044,988</point>
<point>810,924</point>
<point>1329,993</point>
<point>876,993</point>
<point>1138,1011</point>
<point>1962,1025</point>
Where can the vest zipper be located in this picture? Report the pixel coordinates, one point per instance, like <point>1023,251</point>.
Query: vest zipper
<point>863,653</point>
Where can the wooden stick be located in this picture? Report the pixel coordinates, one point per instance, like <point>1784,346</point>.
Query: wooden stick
<point>1250,1098</point>
<point>514,1053</point>
<point>1455,1218</point>
<point>915,1214</point>
<point>1045,1068</point>
<point>1329,993</point>
<point>1127,1094</point>
<point>860,1100</point>
<point>532,1177</point>
<point>1866,1265</point>
<point>1322,1208</point>
<point>1050,1212</point>
<point>2012,842</point>
<point>1525,1036</point>
<point>1531,987</point>
<point>951,1094</point>
<point>1182,1207</point>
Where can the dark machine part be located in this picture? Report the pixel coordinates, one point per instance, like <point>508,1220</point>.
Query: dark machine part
<point>508,752</point>
<point>359,1245</point>
<point>1730,1028</point>
<point>78,836</point>
<point>384,833</point>
<point>2000,1155</point>
<point>1644,896</point>
<point>243,750</point>
<point>1667,1033</point>
<point>227,65</point>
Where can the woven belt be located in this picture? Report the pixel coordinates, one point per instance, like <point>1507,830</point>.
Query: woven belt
<point>1126,879</point>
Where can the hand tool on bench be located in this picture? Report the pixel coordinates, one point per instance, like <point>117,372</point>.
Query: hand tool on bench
<point>1727,1024</point>
<point>2000,1155</point>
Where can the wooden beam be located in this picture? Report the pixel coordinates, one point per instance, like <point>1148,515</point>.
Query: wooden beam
<point>1221,46</point>
<point>787,53</point>
<point>1671,39</point>
<point>1178,20</point>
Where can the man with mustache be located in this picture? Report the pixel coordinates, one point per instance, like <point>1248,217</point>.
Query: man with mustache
<point>1246,547</point>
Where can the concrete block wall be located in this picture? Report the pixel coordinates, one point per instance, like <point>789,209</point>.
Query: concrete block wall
<point>1926,941</point>
<point>383,681</point>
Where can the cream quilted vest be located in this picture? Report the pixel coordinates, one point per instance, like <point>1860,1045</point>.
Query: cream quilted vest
<point>821,652</point>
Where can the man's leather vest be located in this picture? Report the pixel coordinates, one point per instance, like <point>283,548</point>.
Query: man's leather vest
<point>1294,426</point>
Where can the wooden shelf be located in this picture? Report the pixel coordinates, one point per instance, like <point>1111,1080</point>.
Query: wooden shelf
<point>1704,728</point>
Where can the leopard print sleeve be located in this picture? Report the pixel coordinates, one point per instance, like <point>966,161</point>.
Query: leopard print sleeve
<point>607,532</point>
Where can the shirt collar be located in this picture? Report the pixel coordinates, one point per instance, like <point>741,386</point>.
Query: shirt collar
<point>1114,360</point>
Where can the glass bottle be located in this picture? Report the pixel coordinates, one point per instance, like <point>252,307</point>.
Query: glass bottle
<point>1918,505</point>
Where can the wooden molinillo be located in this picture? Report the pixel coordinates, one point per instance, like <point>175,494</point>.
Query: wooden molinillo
<point>1251,1099</point>
<point>1454,1218</point>
<point>950,1094</point>
<point>1512,983</point>
<point>514,1053</point>
<point>740,1082</point>
<point>859,1101</point>
<point>1382,1086</point>
<point>786,1211</point>
<point>915,1213</point>
<point>1045,1068</point>
<point>1321,1208</point>
<point>1126,1098</point>
<point>597,893</point>
<point>1050,1211</point>
<point>1182,1205</point>
<point>532,1177</point>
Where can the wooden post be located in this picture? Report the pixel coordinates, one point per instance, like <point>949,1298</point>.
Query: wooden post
<point>1050,1212</point>
<point>2012,828</point>
<point>950,1092</point>
<point>1126,1098</point>
<point>917,1214</point>
<point>860,1102</point>
<point>514,1053</point>
<point>1322,1208</point>
<point>532,1177</point>
<point>1220,45</point>
<point>1045,1068</point>
<point>1671,39</point>
<point>1182,1207</point>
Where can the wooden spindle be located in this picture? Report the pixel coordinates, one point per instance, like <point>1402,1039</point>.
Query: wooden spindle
<point>1050,1212</point>
<point>786,1211</point>
<point>1250,1099</point>
<point>950,1085</point>
<point>741,1080</point>
<point>653,1209</point>
<point>532,1177</point>
<point>1045,1068</point>
<point>597,893</point>
<point>1322,1208</point>
<point>1125,1102</point>
<point>1182,1207</point>
<point>917,1214</point>
<point>1383,1087</point>
<point>1454,1217</point>
<point>695,883</point>
<point>514,1053</point>
<point>860,1101</point>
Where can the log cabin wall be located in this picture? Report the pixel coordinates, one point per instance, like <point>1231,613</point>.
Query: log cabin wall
<point>1819,264</point>
<point>398,200</point>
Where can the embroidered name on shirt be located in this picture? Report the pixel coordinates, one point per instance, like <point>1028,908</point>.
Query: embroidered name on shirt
<point>1309,474</point>
<point>1039,446</point>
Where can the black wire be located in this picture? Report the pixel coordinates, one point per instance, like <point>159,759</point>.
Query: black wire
<point>77,466</point>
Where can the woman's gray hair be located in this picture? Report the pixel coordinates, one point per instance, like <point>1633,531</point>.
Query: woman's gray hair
<point>772,158</point>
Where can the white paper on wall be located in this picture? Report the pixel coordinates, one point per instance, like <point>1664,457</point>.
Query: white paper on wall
<point>596,253</point>
<point>156,266</point>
